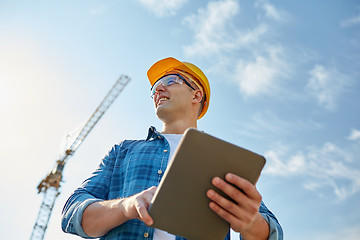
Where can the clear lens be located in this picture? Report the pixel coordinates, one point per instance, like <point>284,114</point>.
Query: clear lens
<point>166,81</point>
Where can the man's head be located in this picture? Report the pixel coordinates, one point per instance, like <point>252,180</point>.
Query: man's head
<point>187,73</point>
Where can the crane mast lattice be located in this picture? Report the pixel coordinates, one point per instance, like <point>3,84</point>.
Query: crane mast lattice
<point>50,185</point>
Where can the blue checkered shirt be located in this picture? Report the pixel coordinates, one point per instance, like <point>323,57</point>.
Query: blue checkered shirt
<point>129,168</point>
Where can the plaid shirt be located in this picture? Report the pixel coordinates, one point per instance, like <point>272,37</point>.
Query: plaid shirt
<point>129,168</point>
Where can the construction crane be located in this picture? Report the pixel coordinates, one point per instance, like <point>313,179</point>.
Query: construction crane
<point>50,185</point>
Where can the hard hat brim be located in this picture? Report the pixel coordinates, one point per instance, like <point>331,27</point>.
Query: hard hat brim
<point>163,66</point>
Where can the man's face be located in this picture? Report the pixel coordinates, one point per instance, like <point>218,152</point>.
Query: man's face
<point>173,100</point>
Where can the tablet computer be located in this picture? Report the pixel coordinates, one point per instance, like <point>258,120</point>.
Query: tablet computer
<point>180,205</point>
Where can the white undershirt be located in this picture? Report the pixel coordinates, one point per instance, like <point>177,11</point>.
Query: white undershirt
<point>173,140</point>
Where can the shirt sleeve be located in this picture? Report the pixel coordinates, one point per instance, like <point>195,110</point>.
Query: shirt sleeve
<point>276,232</point>
<point>93,189</point>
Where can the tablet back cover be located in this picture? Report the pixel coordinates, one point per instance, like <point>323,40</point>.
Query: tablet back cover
<point>180,205</point>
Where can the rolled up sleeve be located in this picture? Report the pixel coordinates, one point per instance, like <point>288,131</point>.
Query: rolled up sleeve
<point>94,189</point>
<point>275,229</point>
<point>73,212</point>
<point>276,232</point>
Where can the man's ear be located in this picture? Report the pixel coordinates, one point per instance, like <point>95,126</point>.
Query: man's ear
<point>198,95</point>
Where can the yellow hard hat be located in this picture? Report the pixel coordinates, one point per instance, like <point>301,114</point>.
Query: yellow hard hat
<point>160,68</point>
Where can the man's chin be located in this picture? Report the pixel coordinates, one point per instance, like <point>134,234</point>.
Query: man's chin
<point>162,113</point>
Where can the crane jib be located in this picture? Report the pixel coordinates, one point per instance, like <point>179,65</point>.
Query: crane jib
<point>51,183</point>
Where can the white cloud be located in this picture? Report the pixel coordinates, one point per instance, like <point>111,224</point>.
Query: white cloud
<point>324,167</point>
<point>296,164</point>
<point>260,75</point>
<point>209,25</point>
<point>271,11</point>
<point>355,134</point>
<point>163,8</point>
<point>351,21</point>
<point>326,85</point>
<point>215,33</point>
<point>216,28</point>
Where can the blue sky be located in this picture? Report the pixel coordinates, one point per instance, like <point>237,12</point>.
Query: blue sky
<point>284,81</point>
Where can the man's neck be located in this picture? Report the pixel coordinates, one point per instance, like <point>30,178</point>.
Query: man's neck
<point>178,127</point>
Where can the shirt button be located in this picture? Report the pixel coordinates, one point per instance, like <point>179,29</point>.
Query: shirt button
<point>146,234</point>
<point>160,172</point>
<point>165,150</point>
<point>159,137</point>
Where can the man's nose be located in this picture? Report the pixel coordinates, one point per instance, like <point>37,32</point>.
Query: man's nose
<point>159,88</point>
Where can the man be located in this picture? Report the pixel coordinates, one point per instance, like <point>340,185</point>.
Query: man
<point>113,202</point>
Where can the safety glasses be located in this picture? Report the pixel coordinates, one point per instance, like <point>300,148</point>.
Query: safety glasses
<point>169,80</point>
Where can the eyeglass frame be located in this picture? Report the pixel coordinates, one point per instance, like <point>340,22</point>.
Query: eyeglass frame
<point>152,92</point>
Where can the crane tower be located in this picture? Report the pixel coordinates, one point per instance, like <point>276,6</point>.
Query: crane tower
<point>50,185</point>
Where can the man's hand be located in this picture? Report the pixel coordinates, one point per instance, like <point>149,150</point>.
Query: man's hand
<point>100,217</point>
<point>137,206</point>
<point>243,215</point>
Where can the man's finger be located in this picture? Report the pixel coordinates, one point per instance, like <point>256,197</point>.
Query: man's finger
<point>248,188</point>
<point>227,216</point>
<point>230,190</point>
<point>144,200</point>
<point>144,215</point>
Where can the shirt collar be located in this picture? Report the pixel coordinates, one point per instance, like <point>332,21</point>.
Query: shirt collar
<point>153,134</point>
